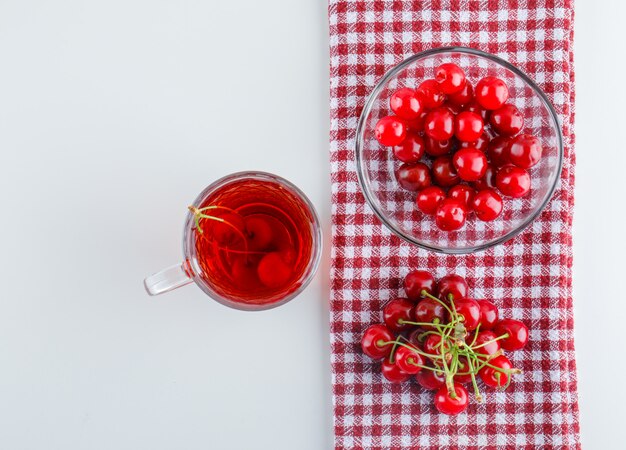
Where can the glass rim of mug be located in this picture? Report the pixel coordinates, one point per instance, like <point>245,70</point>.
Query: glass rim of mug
<point>190,271</point>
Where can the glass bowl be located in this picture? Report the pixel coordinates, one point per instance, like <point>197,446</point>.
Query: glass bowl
<point>396,207</point>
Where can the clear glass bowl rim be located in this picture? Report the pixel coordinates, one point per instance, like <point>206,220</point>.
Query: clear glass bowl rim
<point>359,145</point>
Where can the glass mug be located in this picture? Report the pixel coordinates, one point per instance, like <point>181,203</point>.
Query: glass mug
<point>252,241</point>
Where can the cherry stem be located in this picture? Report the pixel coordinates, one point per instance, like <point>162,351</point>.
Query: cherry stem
<point>453,311</point>
<point>479,397</point>
<point>198,214</point>
<point>447,371</point>
<point>490,341</point>
<point>434,369</point>
<point>425,293</point>
<point>206,208</point>
<point>392,355</point>
<point>428,333</point>
<point>477,357</point>
<point>448,332</point>
<point>500,369</point>
<point>475,335</point>
<point>422,324</point>
<point>508,382</point>
<point>410,347</point>
<point>454,364</point>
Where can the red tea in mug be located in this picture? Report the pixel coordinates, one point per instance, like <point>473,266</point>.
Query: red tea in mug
<point>254,241</point>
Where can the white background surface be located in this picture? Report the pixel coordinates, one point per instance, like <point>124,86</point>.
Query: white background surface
<point>113,116</point>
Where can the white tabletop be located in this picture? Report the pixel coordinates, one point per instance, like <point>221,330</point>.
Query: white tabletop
<point>113,116</point>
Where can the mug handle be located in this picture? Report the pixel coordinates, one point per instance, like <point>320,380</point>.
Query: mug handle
<point>167,280</point>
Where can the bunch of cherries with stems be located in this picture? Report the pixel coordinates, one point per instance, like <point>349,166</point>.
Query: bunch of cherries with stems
<point>444,340</point>
<point>473,136</point>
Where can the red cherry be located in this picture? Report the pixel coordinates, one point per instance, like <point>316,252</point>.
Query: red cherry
<point>487,181</point>
<point>498,151</point>
<point>487,205</point>
<point>259,232</point>
<point>227,232</point>
<point>413,177</point>
<point>470,164</point>
<point>411,149</point>
<point>491,93</point>
<point>450,77</point>
<point>416,125</point>
<point>432,345</point>
<point>517,331</point>
<point>273,270</point>
<point>452,284</point>
<point>287,252</point>
<point>392,372</point>
<point>513,181</point>
<point>406,104</point>
<point>488,314</point>
<point>447,405</point>
<point>450,215</point>
<point>460,377</point>
<point>430,379</point>
<point>429,199</point>
<point>493,377</point>
<point>431,94</point>
<point>482,143</point>
<point>454,109</point>
<point>474,107</point>
<point>470,310</point>
<point>437,148</point>
<point>507,120</point>
<point>415,337</point>
<point>468,126</point>
<point>243,270</point>
<point>428,310</point>
<point>464,96</point>
<point>417,281</point>
<point>439,124</point>
<point>390,131</point>
<point>486,349</point>
<point>396,310</point>
<point>463,193</point>
<point>444,173</point>
<point>408,360</point>
<point>375,341</point>
<point>525,151</point>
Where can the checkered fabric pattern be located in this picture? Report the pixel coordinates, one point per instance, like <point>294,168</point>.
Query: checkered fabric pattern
<point>529,277</point>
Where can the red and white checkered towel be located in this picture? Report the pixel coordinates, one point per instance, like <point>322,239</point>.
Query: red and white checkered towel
<point>529,277</point>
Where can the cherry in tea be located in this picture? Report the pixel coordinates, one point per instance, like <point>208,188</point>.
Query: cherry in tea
<point>254,241</point>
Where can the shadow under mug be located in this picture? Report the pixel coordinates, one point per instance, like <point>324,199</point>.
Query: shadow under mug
<point>258,188</point>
